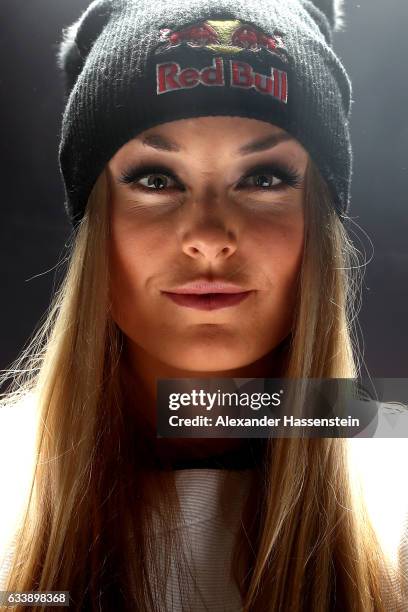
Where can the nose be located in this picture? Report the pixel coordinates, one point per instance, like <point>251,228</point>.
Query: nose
<point>211,226</point>
<point>213,243</point>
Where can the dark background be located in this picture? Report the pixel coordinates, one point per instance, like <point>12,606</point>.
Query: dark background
<point>34,228</point>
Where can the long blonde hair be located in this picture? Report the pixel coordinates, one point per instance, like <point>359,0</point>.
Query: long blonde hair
<point>305,542</point>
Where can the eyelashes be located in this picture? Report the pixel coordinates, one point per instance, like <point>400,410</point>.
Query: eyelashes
<point>288,176</point>
<point>135,173</point>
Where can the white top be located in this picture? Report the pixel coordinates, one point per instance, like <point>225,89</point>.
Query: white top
<point>206,541</point>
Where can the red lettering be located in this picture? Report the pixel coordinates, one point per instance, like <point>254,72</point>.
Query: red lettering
<point>214,75</point>
<point>241,75</point>
<point>284,87</point>
<point>166,77</point>
<point>276,83</point>
<point>189,77</point>
<point>263,83</point>
<point>170,77</point>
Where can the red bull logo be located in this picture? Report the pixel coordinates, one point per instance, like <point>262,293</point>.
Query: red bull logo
<point>171,77</point>
<point>223,36</point>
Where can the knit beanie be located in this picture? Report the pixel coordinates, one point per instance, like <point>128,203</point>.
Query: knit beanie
<point>130,65</point>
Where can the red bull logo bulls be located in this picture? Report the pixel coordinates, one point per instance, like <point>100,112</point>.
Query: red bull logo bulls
<point>171,77</point>
<point>223,36</point>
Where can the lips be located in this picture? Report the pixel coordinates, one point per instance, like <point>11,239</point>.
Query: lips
<point>203,285</point>
<point>208,301</point>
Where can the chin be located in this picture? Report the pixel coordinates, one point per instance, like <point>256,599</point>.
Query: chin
<point>208,359</point>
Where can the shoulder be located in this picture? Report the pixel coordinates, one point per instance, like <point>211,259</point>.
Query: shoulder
<point>18,424</point>
<point>378,466</point>
<point>17,460</point>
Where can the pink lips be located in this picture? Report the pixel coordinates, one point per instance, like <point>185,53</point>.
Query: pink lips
<point>204,295</point>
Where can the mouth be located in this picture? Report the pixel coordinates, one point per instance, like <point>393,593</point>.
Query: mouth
<point>207,301</point>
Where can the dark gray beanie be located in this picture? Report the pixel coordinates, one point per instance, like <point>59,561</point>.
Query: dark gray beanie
<point>130,65</point>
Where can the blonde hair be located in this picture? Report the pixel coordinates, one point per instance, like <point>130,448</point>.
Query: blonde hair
<point>305,535</point>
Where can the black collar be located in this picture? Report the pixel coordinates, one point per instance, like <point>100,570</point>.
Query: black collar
<point>244,458</point>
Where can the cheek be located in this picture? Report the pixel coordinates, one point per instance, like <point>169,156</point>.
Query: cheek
<point>131,258</point>
<point>278,254</point>
<point>278,245</point>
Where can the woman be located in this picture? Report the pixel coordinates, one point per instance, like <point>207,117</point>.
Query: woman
<point>204,145</point>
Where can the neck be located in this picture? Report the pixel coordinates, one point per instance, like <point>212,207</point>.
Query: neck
<point>140,373</point>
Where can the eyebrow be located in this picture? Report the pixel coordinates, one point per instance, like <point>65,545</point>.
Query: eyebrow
<point>268,142</point>
<point>161,143</point>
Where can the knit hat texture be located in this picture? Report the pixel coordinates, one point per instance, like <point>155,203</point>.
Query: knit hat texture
<point>129,65</point>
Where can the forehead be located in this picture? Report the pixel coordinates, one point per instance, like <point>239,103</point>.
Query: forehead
<point>212,137</point>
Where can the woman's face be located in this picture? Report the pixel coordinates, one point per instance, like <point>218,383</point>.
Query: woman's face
<point>209,199</point>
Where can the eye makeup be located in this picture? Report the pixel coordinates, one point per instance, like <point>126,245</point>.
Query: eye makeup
<point>284,172</point>
<point>134,173</point>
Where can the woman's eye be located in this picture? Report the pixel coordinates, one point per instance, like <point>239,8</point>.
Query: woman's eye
<point>265,181</point>
<point>155,182</point>
<point>272,178</point>
<point>149,179</point>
